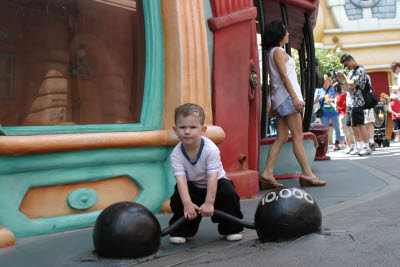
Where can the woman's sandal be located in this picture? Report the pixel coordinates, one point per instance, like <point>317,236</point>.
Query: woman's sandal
<point>313,182</point>
<point>267,184</point>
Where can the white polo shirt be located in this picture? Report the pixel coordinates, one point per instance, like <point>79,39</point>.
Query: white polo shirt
<point>208,161</point>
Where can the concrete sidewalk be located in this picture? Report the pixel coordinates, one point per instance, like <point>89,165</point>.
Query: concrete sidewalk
<point>352,181</point>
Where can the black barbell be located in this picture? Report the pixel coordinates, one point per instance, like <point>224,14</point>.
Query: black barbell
<point>130,230</point>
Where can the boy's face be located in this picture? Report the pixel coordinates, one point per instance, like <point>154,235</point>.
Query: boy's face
<point>189,130</point>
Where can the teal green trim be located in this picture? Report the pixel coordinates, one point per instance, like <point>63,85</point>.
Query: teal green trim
<point>210,36</point>
<point>146,167</point>
<point>153,98</point>
<point>78,159</point>
<point>153,95</point>
<point>82,199</point>
<point>71,129</point>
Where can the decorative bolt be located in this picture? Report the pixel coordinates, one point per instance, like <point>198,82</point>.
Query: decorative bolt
<point>242,158</point>
<point>84,198</point>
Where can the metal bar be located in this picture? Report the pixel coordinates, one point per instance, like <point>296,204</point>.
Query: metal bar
<point>311,73</point>
<point>173,226</point>
<point>285,21</point>
<point>217,213</point>
<point>303,68</point>
<point>234,219</point>
<point>264,84</point>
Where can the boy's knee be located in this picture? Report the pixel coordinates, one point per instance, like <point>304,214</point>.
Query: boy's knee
<point>176,202</point>
<point>227,190</point>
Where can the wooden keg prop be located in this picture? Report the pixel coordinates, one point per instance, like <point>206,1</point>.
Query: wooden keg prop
<point>52,105</point>
<point>130,230</point>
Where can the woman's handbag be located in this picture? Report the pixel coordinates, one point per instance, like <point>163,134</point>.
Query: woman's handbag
<point>318,113</point>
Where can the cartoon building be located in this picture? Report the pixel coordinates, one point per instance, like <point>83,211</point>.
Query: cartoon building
<point>88,90</point>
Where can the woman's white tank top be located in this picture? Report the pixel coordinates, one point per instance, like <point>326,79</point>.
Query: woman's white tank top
<point>278,90</point>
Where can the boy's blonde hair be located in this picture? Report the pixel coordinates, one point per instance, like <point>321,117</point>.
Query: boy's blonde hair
<point>190,109</point>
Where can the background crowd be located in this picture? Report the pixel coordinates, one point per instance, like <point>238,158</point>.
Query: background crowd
<point>347,102</point>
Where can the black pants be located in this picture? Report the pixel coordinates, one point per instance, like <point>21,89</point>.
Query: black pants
<point>226,200</point>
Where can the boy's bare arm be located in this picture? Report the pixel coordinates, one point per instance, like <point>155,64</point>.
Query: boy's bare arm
<point>189,208</point>
<point>207,209</point>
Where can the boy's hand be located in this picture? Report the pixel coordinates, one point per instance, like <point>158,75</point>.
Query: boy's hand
<point>189,210</point>
<point>207,209</point>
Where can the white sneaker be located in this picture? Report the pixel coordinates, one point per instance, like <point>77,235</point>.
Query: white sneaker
<point>347,150</point>
<point>234,237</point>
<point>372,146</point>
<point>365,151</point>
<point>177,240</point>
<point>356,151</point>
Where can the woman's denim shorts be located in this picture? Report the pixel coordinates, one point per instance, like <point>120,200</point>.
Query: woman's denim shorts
<point>285,108</point>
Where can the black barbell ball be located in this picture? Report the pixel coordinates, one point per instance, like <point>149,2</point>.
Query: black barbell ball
<point>126,230</point>
<point>286,213</point>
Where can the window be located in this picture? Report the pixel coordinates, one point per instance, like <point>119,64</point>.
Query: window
<point>73,62</point>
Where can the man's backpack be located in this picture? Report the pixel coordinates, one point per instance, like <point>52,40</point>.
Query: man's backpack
<point>370,98</point>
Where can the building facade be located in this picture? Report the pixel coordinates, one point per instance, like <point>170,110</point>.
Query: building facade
<point>369,30</point>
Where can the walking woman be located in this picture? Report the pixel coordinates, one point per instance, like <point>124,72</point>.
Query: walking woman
<point>287,105</point>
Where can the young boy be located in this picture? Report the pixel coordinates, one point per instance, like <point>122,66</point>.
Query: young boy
<point>394,108</point>
<point>201,184</point>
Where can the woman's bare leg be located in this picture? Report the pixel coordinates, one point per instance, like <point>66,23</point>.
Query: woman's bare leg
<point>281,139</point>
<point>294,123</point>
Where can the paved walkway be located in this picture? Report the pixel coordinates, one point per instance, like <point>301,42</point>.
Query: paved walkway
<point>357,188</point>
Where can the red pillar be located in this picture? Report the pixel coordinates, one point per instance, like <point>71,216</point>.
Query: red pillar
<point>235,104</point>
